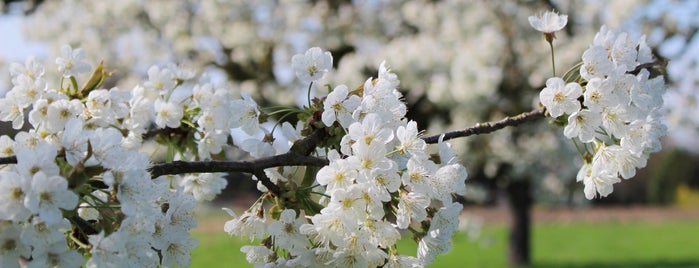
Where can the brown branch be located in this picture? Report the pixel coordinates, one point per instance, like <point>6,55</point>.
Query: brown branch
<point>8,160</point>
<point>267,182</point>
<point>298,155</point>
<point>286,159</point>
<point>483,128</point>
<point>660,62</point>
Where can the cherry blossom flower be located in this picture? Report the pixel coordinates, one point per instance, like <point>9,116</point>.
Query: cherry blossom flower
<point>598,95</point>
<point>410,143</point>
<point>40,235</point>
<point>246,225</point>
<point>56,255</point>
<point>31,68</point>
<point>107,249</point>
<point>244,114</point>
<point>286,232</point>
<point>13,190</point>
<point>204,187</point>
<point>7,146</point>
<point>71,61</point>
<point>12,110</point>
<point>339,106</point>
<point>582,125</point>
<point>312,65</point>
<point>548,22</point>
<point>60,111</point>
<point>49,194</point>
<point>560,98</point>
<point>411,207</point>
<point>597,181</point>
<point>168,114</point>
<point>27,90</point>
<point>336,175</point>
<point>257,254</point>
<point>9,235</point>
<point>162,80</point>
<point>40,158</point>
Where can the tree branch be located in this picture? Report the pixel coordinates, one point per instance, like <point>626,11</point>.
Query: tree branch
<point>488,127</point>
<point>286,159</point>
<point>8,160</point>
<point>260,174</point>
<point>298,155</point>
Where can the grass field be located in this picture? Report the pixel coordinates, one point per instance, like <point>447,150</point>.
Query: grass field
<point>607,244</point>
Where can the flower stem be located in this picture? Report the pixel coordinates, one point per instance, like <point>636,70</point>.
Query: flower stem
<point>280,121</point>
<point>78,242</point>
<point>309,94</point>
<point>553,63</point>
<point>578,148</point>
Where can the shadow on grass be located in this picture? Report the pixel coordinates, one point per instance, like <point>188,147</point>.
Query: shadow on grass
<point>638,264</point>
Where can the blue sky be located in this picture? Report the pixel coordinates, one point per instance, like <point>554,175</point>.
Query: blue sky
<point>14,47</point>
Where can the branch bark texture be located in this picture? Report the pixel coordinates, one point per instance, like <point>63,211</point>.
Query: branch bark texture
<point>484,128</point>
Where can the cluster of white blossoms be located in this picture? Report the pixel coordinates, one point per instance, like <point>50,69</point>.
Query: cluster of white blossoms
<point>672,26</point>
<point>612,107</point>
<point>459,79</point>
<point>75,183</point>
<point>381,181</point>
<point>80,185</point>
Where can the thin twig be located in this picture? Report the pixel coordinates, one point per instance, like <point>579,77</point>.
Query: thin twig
<point>483,128</point>
<point>267,182</point>
<point>660,62</point>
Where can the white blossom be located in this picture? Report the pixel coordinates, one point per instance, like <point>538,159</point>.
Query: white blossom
<point>582,125</point>
<point>49,194</point>
<point>71,61</point>
<point>312,65</point>
<point>168,114</point>
<point>560,98</point>
<point>548,22</point>
<point>339,106</point>
<point>204,187</point>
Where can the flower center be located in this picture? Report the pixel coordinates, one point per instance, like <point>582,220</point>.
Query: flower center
<point>17,194</point>
<point>45,196</point>
<point>312,70</point>
<point>339,177</point>
<point>558,97</point>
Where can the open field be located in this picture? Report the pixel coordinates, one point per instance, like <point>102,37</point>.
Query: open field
<point>624,237</point>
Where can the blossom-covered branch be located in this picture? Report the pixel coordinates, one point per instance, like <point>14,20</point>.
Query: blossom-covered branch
<point>368,176</point>
<point>484,128</point>
<point>298,156</point>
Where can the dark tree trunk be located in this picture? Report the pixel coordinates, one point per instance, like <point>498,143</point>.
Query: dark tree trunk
<point>520,203</point>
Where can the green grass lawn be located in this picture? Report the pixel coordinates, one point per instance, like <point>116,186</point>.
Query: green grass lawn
<point>639,244</point>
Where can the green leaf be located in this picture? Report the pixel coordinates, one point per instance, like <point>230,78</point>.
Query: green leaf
<point>573,74</point>
<point>96,79</point>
